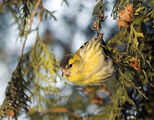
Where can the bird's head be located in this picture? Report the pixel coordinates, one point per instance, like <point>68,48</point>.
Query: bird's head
<point>70,65</point>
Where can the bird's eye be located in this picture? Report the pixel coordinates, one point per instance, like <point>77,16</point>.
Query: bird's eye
<point>70,65</point>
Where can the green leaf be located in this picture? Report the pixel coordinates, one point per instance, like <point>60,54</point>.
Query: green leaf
<point>139,9</point>
<point>97,8</point>
<point>139,34</point>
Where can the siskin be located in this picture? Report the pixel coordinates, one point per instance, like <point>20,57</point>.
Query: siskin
<point>90,65</point>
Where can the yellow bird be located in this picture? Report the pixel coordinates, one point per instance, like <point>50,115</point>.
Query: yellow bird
<point>90,65</point>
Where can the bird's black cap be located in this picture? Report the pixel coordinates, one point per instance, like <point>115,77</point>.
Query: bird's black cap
<point>65,61</point>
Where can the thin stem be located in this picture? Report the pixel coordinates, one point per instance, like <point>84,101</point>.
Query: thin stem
<point>27,32</point>
<point>61,110</point>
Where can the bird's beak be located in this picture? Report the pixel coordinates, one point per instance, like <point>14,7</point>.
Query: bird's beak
<point>65,72</point>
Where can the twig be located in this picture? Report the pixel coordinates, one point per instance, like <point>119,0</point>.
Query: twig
<point>61,111</point>
<point>27,32</point>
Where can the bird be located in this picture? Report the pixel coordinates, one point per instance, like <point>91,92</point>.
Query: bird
<point>91,64</point>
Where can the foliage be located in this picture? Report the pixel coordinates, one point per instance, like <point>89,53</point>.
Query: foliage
<point>38,70</point>
<point>16,98</point>
<point>130,40</point>
<point>21,11</point>
<point>41,67</point>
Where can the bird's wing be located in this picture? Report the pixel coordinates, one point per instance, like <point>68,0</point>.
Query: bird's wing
<point>96,64</point>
